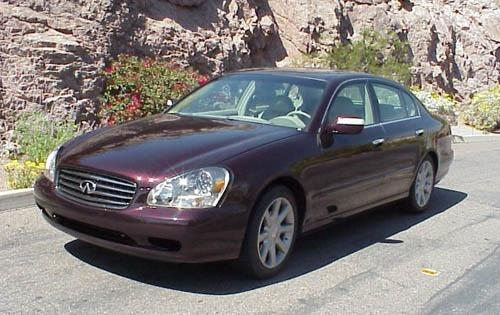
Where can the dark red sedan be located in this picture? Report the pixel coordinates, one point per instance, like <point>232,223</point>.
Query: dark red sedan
<point>240,167</point>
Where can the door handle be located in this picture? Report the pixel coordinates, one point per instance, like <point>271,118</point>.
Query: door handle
<point>378,142</point>
<point>419,132</point>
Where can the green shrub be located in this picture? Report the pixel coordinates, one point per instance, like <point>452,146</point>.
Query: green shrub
<point>136,88</point>
<point>36,135</point>
<point>380,54</point>
<point>483,111</point>
<point>441,104</point>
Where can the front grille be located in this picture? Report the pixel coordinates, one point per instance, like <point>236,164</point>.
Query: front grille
<point>110,192</point>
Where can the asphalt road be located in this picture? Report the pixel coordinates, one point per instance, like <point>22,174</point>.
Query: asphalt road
<point>367,265</point>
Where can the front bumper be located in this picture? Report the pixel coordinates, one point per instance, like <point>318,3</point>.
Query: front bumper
<point>192,235</point>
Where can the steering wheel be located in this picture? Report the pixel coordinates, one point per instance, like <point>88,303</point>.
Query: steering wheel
<point>299,113</point>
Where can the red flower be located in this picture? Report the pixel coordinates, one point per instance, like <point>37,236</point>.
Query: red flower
<point>134,104</point>
<point>147,63</point>
<point>131,107</point>
<point>202,79</point>
<point>109,69</point>
<point>136,100</point>
<point>111,121</point>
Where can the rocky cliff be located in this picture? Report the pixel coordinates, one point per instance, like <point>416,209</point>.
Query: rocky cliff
<point>455,43</point>
<point>51,51</point>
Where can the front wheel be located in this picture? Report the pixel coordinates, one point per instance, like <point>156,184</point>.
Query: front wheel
<point>271,233</point>
<point>423,185</point>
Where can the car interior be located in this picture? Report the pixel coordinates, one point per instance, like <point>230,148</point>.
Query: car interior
<point>392,105</point>
<point>352,101</point>
<point>290,103</point>
<point>280,103</point>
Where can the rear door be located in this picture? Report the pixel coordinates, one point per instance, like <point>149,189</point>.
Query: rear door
<point>403,139</point>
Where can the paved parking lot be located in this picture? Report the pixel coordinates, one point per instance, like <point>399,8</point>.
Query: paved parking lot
<point>367,265</point>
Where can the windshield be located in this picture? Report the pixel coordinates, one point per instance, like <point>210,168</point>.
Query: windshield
<point>267,99</point>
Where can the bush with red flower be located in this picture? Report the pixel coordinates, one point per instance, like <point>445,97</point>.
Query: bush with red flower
<point>135,87</point>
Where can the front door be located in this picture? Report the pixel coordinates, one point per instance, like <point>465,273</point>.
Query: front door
<point>348,173</point>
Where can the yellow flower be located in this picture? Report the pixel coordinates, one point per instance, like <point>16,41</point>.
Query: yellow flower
<point>24,174</point>
<point>11,164</point>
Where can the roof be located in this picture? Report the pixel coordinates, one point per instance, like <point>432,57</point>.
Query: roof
<point>314,73</point>
<point>328,75</point>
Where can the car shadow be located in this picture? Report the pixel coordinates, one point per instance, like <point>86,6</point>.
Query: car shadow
<point>312,252</point>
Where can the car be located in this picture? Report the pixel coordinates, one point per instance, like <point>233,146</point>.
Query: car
<point>243,165</point>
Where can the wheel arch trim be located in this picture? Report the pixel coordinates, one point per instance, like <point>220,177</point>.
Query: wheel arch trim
<point>294,186</point>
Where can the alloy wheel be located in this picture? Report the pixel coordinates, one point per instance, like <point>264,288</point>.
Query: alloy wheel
<point>276,231</point>
<point>424,183</point>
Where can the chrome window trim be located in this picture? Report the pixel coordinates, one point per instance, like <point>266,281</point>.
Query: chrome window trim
<point>392,121</point>
<point>375,107</point>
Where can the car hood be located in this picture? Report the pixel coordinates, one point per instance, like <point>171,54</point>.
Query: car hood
<point>152,148</point>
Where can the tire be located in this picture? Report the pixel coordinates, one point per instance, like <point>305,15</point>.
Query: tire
<point>422,187</point>
<point>277,203</point>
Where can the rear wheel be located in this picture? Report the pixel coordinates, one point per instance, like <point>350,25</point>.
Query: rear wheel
<point>422,187</point>
<point>271,233</point>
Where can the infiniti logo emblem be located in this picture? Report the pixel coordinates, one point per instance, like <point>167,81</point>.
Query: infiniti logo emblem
<point>88,187</point>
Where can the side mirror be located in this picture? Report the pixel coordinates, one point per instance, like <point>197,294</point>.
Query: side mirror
<point>346,125</point>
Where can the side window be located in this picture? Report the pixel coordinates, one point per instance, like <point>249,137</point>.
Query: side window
<point>390,104</point>
<point>352,101</point>
<point>411,107</point>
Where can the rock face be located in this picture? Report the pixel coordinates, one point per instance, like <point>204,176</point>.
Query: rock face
<point>52,51</point>
<point>455,43</point>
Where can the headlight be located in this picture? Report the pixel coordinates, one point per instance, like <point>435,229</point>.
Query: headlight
<point>200,188</point>
<point>50,165</point>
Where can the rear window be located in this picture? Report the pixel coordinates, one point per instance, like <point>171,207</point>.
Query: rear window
<point>410,105</point>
